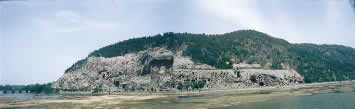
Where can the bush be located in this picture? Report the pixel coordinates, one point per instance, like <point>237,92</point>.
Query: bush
<point>188,84</point>
<point>180,86</point>
<point>40,88</point>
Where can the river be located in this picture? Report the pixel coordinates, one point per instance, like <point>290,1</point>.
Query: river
<point>320,101</point>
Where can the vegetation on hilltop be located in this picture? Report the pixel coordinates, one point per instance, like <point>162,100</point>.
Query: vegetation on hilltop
<point>321,63</point>
<point>317,63</point>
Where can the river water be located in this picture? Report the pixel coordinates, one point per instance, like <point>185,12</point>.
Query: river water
<point>317,97</point>
<point>320,101</point>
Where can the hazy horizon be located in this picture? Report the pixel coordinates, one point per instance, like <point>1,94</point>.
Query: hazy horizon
<point>42,38</point>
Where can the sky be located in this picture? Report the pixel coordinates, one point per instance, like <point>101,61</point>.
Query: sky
<point>39,39</point>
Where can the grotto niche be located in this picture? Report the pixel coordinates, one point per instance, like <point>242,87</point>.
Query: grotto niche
<point>161,65</point>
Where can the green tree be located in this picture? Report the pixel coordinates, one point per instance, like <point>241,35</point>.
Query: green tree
<point>201,84</point>
<point>180,86</point>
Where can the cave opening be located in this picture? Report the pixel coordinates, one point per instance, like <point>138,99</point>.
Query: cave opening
<point>161,66</point>
<point>253,78</point>
<point>261,83</point>
<point>117,83</point>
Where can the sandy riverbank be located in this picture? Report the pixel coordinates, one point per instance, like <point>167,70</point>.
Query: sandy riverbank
<point>204,99</point>
<point>78,101</point>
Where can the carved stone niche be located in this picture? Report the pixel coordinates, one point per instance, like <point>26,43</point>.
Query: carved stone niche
<point>159,65</point>
<point>117,83</point>
<point>264,80</point>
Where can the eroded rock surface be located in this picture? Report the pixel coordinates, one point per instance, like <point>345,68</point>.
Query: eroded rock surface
<point>158,69</point>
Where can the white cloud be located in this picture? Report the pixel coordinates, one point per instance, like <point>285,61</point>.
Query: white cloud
<point>46,45</point>
<point>66,21</point>
<point>243,13</point>
<point>321,21</point>
<point>68,16</point>
<point>339,25</point>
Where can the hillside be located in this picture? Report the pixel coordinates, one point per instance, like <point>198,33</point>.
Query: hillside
<point>316,63</point>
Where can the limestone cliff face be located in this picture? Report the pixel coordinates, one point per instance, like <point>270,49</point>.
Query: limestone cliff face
<point>159,69</point>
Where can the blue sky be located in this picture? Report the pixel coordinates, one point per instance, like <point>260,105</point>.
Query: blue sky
<point>39,39</point>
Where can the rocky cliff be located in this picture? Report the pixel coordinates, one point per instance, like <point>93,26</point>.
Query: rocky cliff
<point>183,61</point>
<point>158,69</point>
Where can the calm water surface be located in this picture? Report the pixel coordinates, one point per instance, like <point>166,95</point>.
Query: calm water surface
<point>320,101</point>
<point>329,97</point>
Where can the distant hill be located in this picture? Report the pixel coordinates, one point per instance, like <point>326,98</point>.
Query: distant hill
<point>317,63</point>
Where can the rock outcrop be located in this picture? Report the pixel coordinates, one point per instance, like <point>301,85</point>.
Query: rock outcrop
<point>158,69</point>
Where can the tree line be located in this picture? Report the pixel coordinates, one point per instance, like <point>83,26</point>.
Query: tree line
<point>33,88</point>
